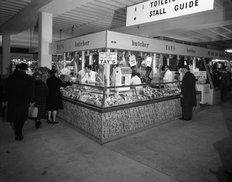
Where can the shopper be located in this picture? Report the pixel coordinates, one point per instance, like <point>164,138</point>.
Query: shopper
<point>20,93</point>
<point>54,98</point>
<point>188,93</point>
<point>2,96</point>
<point>41,92</point>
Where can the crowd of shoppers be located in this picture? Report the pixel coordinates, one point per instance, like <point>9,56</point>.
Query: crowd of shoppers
<point>21,91</point>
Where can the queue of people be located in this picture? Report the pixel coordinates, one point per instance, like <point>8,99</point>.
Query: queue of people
<point>24,91</point>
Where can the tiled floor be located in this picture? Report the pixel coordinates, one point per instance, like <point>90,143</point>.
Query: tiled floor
<point>188,151</point>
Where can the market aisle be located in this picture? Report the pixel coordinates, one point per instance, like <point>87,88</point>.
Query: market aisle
<point>58,153</point>
<point>175,151</point>
<point>190,151</point>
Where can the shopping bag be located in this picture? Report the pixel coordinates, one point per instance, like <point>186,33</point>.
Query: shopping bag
<point>32,112</point>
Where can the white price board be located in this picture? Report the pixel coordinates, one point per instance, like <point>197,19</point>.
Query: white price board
<point>148,61</point>
<point>107,58</point>
<point>132,60</point>
<point>200,75</point>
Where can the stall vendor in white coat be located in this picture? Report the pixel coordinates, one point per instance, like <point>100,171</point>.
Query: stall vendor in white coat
<point>135,80</point>
<point>87,76</point>
<point>167,75</point>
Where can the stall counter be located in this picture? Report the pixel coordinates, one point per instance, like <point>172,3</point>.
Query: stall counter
<point>105,125</point>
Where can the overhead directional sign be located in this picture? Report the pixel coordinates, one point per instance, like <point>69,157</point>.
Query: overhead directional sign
<point>155,10</point>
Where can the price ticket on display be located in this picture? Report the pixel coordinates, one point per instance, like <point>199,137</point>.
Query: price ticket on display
<point>65,71</point>
<point>107,58</point>
<point>148,61</point>
<point>132,60</point>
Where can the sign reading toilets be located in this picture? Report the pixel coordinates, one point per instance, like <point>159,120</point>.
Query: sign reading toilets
<point>155,10</point>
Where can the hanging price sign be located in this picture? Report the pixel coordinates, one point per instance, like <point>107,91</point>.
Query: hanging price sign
<point>107,58</point>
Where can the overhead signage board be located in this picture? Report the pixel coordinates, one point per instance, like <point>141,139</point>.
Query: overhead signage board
<point>155,10</point>
<point>86,42</point>
<point>116,40</point>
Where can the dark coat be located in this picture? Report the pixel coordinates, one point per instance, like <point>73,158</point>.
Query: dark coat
<point>3,90</point>
<point>20,92</point>
<point>54,99</point>
<point>41,92</point>
<point>188,90</point>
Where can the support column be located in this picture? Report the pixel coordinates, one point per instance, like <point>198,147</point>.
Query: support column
<point>194,63</point>
<point>45,38</point>
<point>107,72</point>
<point>154,63</point>
<point>5,62</point>
<point>82,59</point>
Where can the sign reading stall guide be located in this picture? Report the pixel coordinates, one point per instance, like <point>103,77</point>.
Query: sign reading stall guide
<point>155,10</point>
<point>107,58</point>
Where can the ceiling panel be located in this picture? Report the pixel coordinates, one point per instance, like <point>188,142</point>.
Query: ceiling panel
<point>11,8</point>
<point>105,14</point>
<point>88,16</point>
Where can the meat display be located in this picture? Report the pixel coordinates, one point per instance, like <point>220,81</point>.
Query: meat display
<point>94,96</point>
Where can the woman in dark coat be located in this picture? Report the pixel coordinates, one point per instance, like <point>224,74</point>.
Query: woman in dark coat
<point>188,93</point>
<point>41,92</point>
<point>20,93</point>
<point>54,99</point>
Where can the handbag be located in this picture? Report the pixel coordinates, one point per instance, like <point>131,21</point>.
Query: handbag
<point>32,112</point>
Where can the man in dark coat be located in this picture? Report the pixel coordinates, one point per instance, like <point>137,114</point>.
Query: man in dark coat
<point>20,93</point>
<point>188,93</point>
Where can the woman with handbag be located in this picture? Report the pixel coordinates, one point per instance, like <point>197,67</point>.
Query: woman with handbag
<point>54,98</point>
<point>41,92</point>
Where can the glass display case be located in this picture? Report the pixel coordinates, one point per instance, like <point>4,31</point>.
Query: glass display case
<point>107,113</point>
<point>99,97</point>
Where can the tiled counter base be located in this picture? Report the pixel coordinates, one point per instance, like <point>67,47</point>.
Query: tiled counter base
<point>109,124</point>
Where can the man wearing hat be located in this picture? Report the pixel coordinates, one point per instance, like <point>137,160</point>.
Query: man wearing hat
<point>20,93</point>
<point>188,93</point>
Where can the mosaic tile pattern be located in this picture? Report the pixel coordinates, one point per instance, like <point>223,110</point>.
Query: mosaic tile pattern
<point>119,122</point>
<point>83,118</point>
<point>114,124</point>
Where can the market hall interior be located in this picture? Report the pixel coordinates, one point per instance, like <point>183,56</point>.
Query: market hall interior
<point>174,150</point>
